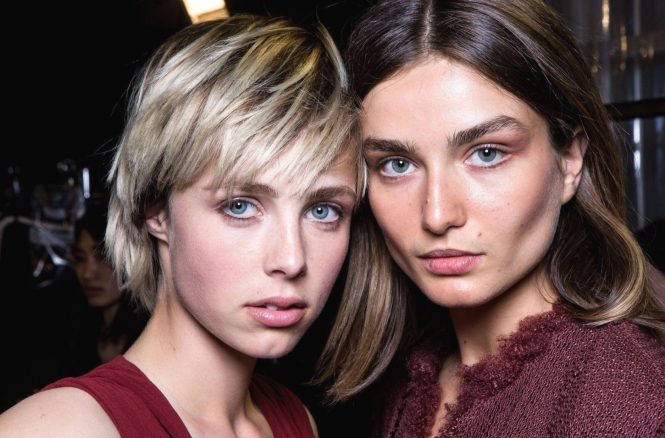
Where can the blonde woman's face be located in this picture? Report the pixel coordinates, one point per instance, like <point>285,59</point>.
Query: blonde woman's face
<point>95,275</point>
<point>463,182</point>
<point>254,267</point>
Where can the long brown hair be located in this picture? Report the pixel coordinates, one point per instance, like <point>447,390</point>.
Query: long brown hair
<point>595,264</point>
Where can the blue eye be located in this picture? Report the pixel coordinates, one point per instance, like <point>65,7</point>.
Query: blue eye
<point>486,157</point>
<point>239,208</point>
<point>323,213</point>
<point>396,167</point>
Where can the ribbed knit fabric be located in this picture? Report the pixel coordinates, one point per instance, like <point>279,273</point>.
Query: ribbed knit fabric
<point>554,377</point>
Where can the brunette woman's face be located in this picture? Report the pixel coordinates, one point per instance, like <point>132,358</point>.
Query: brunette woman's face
<point>95,275</point>
<point>254,267</point>
<point>463,182</point>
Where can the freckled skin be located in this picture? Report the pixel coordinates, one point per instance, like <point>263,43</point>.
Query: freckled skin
<point>220,265</point>
<point>506,213</point>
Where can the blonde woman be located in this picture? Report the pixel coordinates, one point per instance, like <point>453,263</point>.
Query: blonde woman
<point>233,187</point>
<point>500,279</point>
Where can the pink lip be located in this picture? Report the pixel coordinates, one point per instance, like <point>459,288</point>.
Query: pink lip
<point>450,261</point>
<point>277,311</point>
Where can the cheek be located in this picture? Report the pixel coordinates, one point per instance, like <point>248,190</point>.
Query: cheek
<point>78,269</point>
<point>325,260</point>
<point>202,262</point>
<point>109,278</point>
<point>396,212</point>
<point>195,261</point>
<point>522,213</point>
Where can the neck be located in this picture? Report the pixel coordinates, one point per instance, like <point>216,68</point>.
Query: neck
<point>206,382</point>
<point>479,328</point>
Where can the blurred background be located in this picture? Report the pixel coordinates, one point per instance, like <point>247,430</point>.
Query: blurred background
<point>65,98</point>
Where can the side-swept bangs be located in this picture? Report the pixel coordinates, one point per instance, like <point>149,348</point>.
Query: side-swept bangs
<point>234,95</point>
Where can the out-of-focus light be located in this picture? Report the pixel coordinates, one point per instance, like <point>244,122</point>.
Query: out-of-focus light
<point>203,10</point>
<point>606,16</point>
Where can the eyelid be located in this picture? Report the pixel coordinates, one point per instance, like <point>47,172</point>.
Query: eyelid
<point>339,209</point>
<point>380,164</point>
<point>330,224</point>
<point>227,202</point>
<point>492,146</point>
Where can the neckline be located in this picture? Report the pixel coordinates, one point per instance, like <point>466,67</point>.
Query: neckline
<point>495,372</point>
<point>258,402</point>
<point>486,377</point>
<point>172,419</point>
<point>531,339</point>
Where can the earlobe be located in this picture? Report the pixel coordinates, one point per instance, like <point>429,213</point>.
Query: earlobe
<point>572,162</point>
<point>156,223</point>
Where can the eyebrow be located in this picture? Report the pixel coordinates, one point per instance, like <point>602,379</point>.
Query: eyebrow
<point>314,195</point>
<point>384,145</point>
<point>493,125</point>
<point>458,138</point>
<point>330,192</point>
<point>256,189</point>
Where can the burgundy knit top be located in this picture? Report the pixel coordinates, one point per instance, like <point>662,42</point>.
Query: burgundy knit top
<point>553,377</point>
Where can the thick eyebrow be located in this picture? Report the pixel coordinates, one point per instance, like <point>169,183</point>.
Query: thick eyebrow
<point>330,193</point>
<point>313,196</point>
<point>256,189</point>
<point>391,146</point>
<point>475,132</point>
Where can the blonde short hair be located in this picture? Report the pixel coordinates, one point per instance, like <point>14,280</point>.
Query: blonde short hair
<point>233,94</point>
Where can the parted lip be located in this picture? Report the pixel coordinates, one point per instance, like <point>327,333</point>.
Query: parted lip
<point>441,253</point>
<point>279,302</point>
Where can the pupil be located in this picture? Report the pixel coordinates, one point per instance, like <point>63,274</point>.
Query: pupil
<point>320,212</point>
<point>238,207</point>
<point>399,165</point>
<point>487,154</point>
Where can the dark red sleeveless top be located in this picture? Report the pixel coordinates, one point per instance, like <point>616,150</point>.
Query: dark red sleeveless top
<point>138,409</point>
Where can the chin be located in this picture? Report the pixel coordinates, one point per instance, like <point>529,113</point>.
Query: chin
<point>274,353</point>
<point>458,299</point>
<point>273,349</point>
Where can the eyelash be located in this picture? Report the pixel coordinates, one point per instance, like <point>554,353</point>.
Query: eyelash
<point>244,220</point>
<point>241,220</point>
<point>330,225</point>
<point>502,157</point>
<point>383,162</point>
<point>488,147</point>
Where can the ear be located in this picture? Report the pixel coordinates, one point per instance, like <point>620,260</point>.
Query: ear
<point>156,222</point>
<point>572,164</point>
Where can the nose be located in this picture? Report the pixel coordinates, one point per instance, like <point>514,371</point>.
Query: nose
<point>443,206</point>
<point>285,255</point>
<point>89,267</point>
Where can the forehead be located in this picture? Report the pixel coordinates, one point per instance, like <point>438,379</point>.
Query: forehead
<point>84,240</point>
<point>288,173</point>
<point>285,166</point>
<point>436,96</point>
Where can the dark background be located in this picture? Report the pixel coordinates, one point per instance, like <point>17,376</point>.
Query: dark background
<point>65,96</point>
<point>65,93</point>
<point>68,89</point>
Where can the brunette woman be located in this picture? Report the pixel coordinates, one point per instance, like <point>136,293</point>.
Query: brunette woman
<point>499,274</point>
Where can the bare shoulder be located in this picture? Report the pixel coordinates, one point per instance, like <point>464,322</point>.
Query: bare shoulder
<point>312,422</point>
<point>67,412</point>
